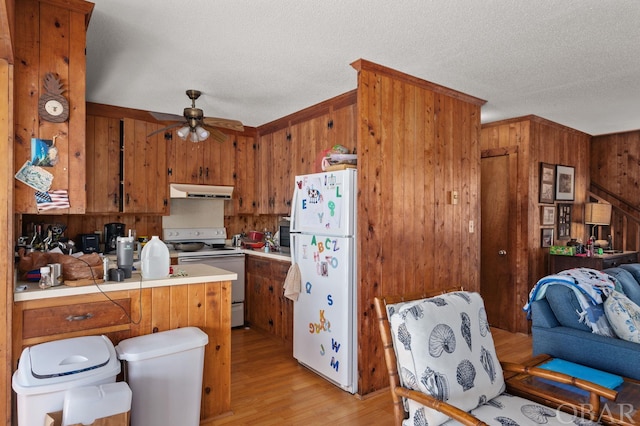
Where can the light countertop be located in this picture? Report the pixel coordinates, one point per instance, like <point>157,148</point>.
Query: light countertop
<point>276,255</point>
<point>194,274</point>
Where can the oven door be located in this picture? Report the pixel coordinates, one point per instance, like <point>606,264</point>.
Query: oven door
<point>229,262</point>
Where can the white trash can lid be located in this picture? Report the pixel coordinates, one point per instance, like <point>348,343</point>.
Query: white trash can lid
<point>77,360</point>
<point>161,344</point>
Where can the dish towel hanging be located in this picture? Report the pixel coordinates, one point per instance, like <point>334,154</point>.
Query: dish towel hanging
<point>292,283</point>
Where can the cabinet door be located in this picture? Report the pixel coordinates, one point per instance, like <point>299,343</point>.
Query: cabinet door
<point>185,160</point>
<point>244,193</point>
<point>310,138</point>
<point>103,164</point>
<point>145,188</point>
<point>261,308</point>
<point>276,180</point>
<point>342,127</point>
<point>285,316</point>
<point>219,162</point>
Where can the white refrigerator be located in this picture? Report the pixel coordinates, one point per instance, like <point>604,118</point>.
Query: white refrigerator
<point>323,229</point>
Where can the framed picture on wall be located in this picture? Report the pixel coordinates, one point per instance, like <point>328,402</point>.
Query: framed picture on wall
<point>564,221</point>
<point>546,239</point>
<point>547,181</point>
<point>547,215</point>
<point>565,183</point>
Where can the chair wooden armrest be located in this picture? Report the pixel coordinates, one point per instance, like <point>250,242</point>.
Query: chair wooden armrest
<point>447,409</point>
<point>595,391</point>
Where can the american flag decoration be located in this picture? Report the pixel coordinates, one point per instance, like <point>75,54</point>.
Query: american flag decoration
<point>54,199</point>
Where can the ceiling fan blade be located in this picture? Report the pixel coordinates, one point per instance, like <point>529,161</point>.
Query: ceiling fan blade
<point>223,123</point>
<point>166,128</point>
<point>160,116</point>
<point>216,134</point>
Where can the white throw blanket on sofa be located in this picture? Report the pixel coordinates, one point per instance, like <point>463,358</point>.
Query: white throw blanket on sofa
<point>590,286</point>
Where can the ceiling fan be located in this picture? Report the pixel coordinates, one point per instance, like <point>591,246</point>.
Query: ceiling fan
<point>195,125</point>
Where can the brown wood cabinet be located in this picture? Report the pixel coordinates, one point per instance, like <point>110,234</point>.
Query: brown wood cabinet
<point>145,187</point>
<point>275,184</point>
<point>245,191</point>
<point>204,163</point>
<point>123,160</point>
<point>133,313</point>
<point>51,37</point>
<point>559,263</point>
<point>266,307</point>
<point>103,164</point>
<point>291,146</point>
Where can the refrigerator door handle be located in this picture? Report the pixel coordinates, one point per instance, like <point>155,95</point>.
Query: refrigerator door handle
<point>292,249</point>
<point>294,205</point>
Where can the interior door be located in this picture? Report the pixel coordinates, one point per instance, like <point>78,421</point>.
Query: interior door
<point>498,183</point>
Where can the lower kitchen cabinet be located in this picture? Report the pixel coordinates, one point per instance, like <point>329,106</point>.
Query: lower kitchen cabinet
<point>131,313</point>
<point>266,307</point>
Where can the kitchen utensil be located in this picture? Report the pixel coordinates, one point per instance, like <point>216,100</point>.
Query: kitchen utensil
<point>189,246</point>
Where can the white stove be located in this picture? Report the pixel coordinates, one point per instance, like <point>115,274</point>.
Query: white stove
<point>213,253</point>
<point>214,240</point>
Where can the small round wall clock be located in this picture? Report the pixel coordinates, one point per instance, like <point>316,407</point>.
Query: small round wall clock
<point>52,106</point>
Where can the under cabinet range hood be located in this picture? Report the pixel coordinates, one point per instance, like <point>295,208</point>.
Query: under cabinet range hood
<point>181,190</point>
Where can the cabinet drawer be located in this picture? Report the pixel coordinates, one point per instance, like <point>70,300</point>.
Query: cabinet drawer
<point>69,318</point>
<point>620,260</point>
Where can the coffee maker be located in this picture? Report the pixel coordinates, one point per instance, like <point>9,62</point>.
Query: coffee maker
<point>111,233</point>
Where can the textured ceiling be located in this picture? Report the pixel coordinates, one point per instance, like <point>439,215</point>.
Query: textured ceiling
<point>575,62</point>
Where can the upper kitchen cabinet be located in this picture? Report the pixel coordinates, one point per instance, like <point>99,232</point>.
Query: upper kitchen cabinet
<point>103,164</point>
<point>127,167</point>
<point>292,146</point>
<point>244,193</point>
<point>275,179</point>
<point>144,183</point>
<point>320,127</point>
<point>50,43</point>
<point>207,163</point>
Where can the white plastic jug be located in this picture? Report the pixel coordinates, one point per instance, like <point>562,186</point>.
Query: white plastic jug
<point>155,259</point>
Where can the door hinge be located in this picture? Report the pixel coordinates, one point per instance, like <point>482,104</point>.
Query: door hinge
<point>169,171</point>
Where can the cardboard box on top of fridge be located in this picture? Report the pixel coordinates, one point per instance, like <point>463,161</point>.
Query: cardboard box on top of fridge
<point>122,419</point>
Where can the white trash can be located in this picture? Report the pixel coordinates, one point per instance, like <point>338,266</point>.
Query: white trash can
<point>87,404</point>
<point>46,371</point>
<point>164,371</point>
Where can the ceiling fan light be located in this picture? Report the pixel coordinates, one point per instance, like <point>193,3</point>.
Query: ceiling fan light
<point>203,134</point>
<point>183,132</point>
<point>194,137</point>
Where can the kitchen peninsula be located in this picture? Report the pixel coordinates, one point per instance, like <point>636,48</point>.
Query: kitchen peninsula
<point>199,296</point>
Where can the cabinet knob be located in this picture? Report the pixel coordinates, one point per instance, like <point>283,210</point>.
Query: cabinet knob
<point>502,252</point>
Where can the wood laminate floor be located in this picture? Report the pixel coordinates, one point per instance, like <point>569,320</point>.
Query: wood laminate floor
<point>269,387</point>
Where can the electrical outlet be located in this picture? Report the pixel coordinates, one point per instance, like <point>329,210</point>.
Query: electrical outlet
<point>472,227</point>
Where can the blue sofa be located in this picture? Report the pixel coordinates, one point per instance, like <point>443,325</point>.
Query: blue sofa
<point>556,331</point>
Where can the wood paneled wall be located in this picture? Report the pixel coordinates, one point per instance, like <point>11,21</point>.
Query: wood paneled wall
<point>6,235</point>
<point>417,142</point>
<point>537,140</point>
<point>615,176</point>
